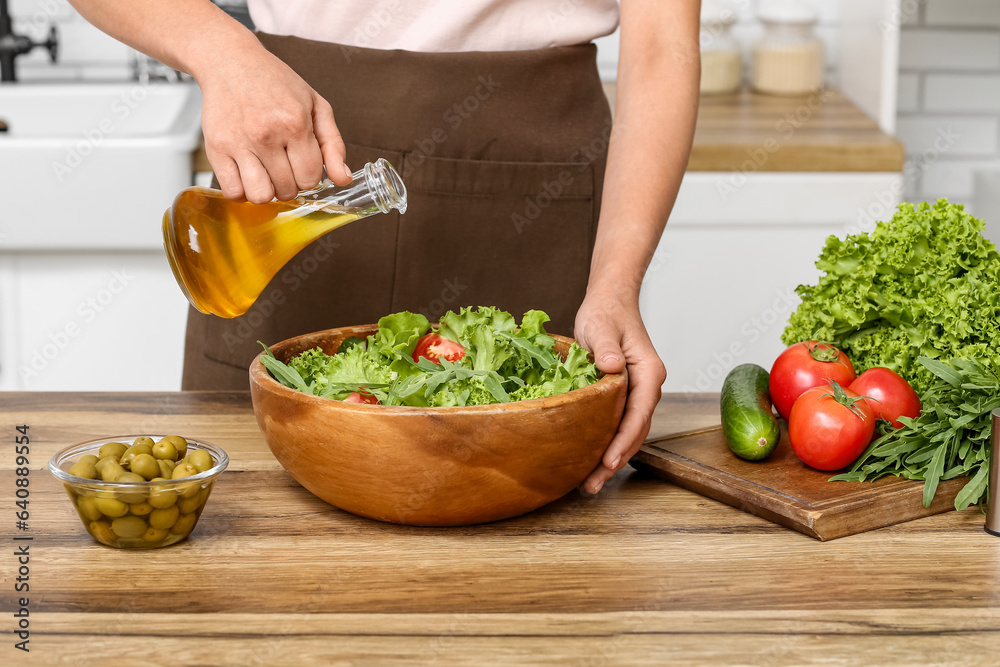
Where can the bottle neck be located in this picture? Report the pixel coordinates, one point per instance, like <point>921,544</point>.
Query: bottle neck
<point>376,188</point>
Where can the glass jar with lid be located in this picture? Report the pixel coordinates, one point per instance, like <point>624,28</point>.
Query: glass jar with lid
<point>788,58</point>
<point>721,56</point>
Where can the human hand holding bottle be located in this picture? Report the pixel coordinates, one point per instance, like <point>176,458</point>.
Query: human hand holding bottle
<point>267,132</point>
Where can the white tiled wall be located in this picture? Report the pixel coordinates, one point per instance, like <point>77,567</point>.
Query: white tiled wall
<point>746,30</point>
<point>84,51</point>
<point>949,98</point>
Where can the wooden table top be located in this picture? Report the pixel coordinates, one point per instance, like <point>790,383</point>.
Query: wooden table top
<point>645,573</point>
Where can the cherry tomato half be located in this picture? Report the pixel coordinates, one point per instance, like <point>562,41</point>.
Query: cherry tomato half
<point>358,397</point>
<point>829,427</point>
<point>892,396</point>
<point>434,346</point>
<point>804,366</point>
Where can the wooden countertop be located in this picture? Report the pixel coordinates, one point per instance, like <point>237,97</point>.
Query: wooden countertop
<point>748,132</point>
<point>823,131</point>
<point>643,574</point>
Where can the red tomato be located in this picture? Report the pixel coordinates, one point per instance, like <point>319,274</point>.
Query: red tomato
<point>434,346</point>
<point>357,397</point>
<point>804,366</point>
<point>829,427</point>
<point>892,396</point>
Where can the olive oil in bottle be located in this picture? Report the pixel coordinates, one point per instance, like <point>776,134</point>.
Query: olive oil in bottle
<point>224,253</point>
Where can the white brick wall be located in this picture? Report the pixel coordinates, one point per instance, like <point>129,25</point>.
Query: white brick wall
<point>84,51</point>
<point>950,80</point>
<point>746,30</point>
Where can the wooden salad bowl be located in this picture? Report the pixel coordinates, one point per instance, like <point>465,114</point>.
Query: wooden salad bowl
<point>441,466</point>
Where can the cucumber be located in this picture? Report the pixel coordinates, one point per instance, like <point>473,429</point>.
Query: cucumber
<point>750,428</point>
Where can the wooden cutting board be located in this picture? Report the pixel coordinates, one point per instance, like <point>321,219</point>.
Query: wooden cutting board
<point>786,491</point>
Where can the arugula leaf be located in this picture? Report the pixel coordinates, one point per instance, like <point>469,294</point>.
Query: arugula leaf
<point>950,438</point>
<point>503,362</point>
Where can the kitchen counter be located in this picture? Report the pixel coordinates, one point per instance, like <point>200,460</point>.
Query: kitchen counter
<point>822,132</point>
<point>643,574</point>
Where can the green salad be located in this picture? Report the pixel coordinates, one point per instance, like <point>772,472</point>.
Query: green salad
<point>476,356</point>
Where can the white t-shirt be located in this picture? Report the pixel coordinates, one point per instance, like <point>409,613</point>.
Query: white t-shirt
<point>439,25</point>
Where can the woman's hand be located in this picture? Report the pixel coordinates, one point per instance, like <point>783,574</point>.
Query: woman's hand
<point>611,327</point>
<point>267,133</point>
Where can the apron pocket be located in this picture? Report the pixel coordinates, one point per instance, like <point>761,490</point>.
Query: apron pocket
<point>516,235</point>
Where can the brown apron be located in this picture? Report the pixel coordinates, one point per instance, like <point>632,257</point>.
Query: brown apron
<point>503,156</point>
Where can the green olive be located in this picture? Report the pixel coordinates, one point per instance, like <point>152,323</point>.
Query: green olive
<point>88,458</point>
<point>189,490</point>
<point>84,469</point>
<point>162,497</point>
<point>140,509</point>
<point>144,440</point>
<point>163,518</point>
<point>179,443</point>
<point>111,507</point>
<point>131,495</point>
<point>146,466</point>
<point>101,530</point>
<point>135,450</point>
<point>187,505</point>
<point>113,449</point>
<point>165,450</point>
<point>183,469</point>
<point>154,534</point>
<point>184,524</point>
<point>110,471</point>
<point>166,467</point>
<point>88,508</point>
<point>129,526</point>
<point>200,459</point>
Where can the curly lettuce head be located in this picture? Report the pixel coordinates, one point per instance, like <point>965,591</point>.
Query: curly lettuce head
<point>925,283</point>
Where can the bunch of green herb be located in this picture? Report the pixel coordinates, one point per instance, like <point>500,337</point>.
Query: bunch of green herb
<point>926,283</point>
<point>950,438</point>
<point>503,362</point>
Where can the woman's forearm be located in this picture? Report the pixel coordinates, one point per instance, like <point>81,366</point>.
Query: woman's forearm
<point>657,102</point>
<point>192,36</point>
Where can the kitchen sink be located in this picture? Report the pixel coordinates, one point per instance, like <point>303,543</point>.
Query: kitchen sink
<point>93,165</point>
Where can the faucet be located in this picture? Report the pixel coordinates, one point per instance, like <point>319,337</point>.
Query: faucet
<point>13,45</point>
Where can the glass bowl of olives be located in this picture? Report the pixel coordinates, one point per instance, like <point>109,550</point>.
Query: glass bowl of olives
<point>139,492</point>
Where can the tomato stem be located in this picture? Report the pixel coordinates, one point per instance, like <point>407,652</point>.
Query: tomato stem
<point>850,402</point>
<point>823,352</point>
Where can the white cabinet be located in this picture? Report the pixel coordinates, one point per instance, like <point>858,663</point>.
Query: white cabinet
<point>722,283</point>
<point>721,286</point>
<point>90,321</point>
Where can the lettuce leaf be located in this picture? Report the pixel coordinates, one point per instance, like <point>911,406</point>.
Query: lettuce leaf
<point>503,362</point>
<point>924,284</point>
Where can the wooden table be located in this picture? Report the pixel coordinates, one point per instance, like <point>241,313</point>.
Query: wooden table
<point>643,574</point>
